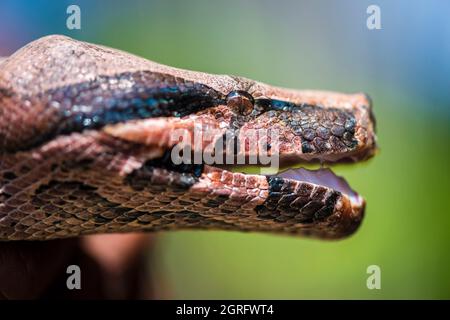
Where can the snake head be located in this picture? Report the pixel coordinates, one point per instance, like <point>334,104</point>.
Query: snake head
<point>310,125</point>
<point>87,140</point>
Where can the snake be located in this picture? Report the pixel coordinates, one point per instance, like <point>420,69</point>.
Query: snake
<point>86,148</point>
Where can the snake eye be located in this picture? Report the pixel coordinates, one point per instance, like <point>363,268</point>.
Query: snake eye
<point>240,101</point>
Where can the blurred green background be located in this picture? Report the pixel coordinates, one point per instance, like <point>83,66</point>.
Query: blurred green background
<point>405,68</point>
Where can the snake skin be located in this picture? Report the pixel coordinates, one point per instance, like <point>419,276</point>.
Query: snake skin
<point>84,148</point>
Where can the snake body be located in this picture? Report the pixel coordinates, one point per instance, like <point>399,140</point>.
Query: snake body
<point>84,140</point>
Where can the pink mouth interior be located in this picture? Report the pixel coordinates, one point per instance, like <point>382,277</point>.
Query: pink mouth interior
<point>323,177</point>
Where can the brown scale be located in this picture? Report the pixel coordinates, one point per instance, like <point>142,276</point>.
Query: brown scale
<point>82,197</point>
<point>59,179</point>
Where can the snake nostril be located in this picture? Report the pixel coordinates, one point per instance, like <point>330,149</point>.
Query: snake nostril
<point>240,101</point>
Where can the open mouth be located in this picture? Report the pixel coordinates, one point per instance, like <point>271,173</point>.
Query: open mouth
<point>315,203</point>
<point>132,127</point>
<point>317,127</point>
<point>300,201</point>
<point>323,177</point>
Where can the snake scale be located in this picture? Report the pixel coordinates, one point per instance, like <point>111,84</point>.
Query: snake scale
<point>84,140</point>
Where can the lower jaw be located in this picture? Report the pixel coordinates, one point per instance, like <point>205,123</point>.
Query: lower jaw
<point>312,172</point>
<point>348,211</point>
<point>323,177</point>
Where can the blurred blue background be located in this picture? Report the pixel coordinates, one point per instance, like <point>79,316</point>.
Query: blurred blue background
<point>404,67</point>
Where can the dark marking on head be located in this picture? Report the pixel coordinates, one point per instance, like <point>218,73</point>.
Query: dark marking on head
<point>9,175</point>
<point>321,129</point>
<point>304,203</point>
<point>166,162</point>
<point>275,184</point>
<point>181,175</point>
<point>119,98</point>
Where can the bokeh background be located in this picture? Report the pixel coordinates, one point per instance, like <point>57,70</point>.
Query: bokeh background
<point>405,67</point>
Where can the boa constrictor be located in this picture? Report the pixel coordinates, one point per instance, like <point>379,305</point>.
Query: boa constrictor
<point>85,148</point>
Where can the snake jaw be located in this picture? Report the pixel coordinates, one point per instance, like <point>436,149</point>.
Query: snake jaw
<point>85,152</point>
<point>278,204</point>
<point>322,202</point>
<point>322,177</point>
<point>350,203</point>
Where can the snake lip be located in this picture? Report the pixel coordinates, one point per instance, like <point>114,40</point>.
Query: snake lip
<point>323,177</point>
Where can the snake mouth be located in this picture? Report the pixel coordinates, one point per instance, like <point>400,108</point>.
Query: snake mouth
<point>323,177</point>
